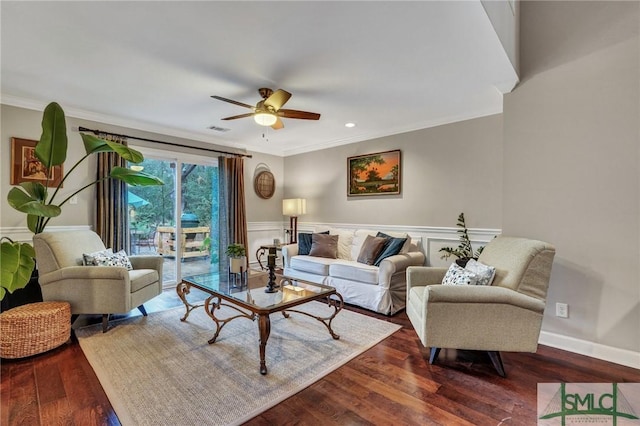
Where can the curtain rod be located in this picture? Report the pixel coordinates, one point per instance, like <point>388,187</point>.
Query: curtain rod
<point>96,132</point>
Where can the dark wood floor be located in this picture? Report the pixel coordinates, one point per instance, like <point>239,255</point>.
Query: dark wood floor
<point>390,384</point>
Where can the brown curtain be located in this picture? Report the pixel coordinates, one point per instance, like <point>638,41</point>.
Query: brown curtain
<point>232,216</point>
<point>112,215</point>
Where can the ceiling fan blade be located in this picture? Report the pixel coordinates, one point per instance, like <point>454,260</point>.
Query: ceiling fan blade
<point>277,99</point>
<point>304,115</point>
<point>233,117</point>
<point>231,101</point>
<point>278,124</point>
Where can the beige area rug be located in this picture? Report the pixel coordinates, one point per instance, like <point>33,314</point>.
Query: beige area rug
<point>159,370</point>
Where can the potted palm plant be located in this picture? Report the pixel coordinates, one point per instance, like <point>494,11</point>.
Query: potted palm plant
<point>17,259</point>
<point>237,257</point>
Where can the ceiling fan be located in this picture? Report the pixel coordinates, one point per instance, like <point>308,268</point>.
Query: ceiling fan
<point>268,111</point>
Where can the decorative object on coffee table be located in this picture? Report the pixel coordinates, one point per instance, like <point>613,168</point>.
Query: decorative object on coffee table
<point>271,250</point>
<point>34,328</point>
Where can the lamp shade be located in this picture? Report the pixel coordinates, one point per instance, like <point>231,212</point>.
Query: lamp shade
<point>294,206</point>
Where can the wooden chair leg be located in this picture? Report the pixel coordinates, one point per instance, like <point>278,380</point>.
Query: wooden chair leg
<point>434,354</point>
<point>496,360</point>
<point>142,310</point>
<point>105,322</point>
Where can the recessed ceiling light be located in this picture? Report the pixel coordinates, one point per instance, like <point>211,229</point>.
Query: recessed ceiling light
<point>350,125</point>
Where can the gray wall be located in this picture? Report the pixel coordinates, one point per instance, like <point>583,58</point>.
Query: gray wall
<point>26,123</point>
<point>445,170</point>
<point>572,162</point>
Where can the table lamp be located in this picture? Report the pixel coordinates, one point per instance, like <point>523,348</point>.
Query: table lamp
<point>293,207</point>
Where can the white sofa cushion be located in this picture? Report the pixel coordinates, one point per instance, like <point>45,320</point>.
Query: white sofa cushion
<point>312,264</point>
<point>354,271</point>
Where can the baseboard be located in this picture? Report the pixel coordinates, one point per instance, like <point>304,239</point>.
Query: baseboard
<point>591,349</point>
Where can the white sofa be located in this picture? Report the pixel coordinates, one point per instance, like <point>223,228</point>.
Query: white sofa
<point>377,288</point>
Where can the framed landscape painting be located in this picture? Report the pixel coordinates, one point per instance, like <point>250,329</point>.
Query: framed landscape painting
<point>25,166</point>
<point>374,174</point>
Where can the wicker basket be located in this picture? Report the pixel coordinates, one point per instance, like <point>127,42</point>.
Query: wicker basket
<point>34,328</point>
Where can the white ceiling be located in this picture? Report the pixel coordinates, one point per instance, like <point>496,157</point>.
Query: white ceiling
<point>390,67</point>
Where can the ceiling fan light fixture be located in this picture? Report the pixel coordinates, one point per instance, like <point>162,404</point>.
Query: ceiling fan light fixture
<point>265,118</point>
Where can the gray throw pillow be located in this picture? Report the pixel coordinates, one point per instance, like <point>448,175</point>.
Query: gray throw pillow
<point>323,245</point>
<point>371,248</point>
<point>304,242</point>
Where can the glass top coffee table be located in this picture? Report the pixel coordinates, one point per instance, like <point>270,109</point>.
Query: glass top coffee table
<point>250,300</point>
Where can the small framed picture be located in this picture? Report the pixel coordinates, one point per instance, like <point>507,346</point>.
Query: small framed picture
<point>25,166</point>
<point>374,174</point>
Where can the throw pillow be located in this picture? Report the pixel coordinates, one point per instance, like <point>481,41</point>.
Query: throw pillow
<point>371,248</point>
<point>459,276</point>
<point>392,246</point>
<point>114,259</point>
<point>304,242</point>
<point>407,244</point>
<point>345,240</point>
<point>323,245</point>
<point>89,259</point>
<point>485,273</point>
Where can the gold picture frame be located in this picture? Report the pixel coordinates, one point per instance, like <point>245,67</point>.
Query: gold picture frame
<point>25,166</point>
<point>374,174</point>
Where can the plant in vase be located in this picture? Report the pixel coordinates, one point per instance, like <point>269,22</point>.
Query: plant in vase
<point>464,251</point>
<point>237,257</point>
<point>34,199</point>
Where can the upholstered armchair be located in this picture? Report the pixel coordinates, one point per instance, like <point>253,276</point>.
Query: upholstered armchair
<point>505,316</point>
<point>93,289</point>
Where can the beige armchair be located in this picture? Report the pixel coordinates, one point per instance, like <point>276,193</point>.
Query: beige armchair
<point>505,316</point>
<point>91,289</point>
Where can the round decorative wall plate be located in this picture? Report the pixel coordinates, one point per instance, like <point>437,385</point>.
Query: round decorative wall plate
<point>264,184</point>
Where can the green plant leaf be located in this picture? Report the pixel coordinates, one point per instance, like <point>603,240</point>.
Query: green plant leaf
<point>16,265</point>
<point>52,147</point>
<point>36,190</point>
<point>93,144</point>
<point>32,223</point>
<point>21,201</point>
<point>127,153</point>
<point>135,178</point>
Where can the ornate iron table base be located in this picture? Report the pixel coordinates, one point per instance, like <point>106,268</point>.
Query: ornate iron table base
<point>215,302</point>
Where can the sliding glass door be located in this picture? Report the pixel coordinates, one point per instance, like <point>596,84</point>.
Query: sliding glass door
<point>189,245</point>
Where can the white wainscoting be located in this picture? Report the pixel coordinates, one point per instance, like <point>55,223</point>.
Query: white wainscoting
<point>429,239</point>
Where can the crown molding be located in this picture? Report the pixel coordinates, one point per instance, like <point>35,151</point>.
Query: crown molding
<point>169,131</point>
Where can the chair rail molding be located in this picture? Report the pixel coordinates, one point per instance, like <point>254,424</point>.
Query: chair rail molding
<point>24,235</point>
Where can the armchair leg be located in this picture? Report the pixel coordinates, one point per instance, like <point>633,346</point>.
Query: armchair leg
<point>142,310</point>
<point>496,360</point>
<point>434,355</point>
<point>105,322</point>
